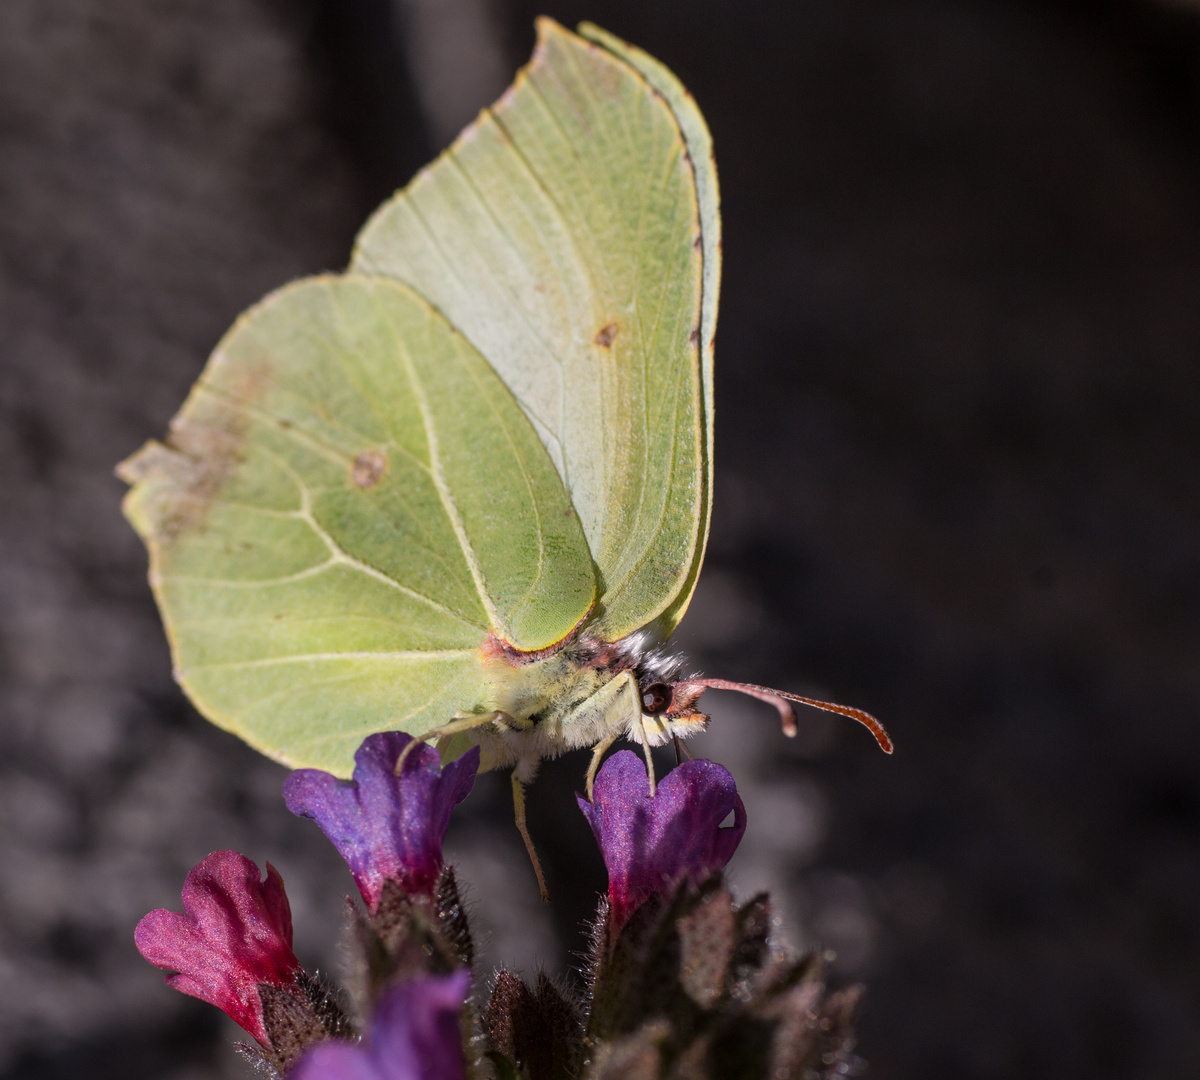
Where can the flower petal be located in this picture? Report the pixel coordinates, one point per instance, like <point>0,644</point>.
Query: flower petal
<point>649,843</point>
<point>413,1035</point>
<point>386,827</point>
<point>235,932</point>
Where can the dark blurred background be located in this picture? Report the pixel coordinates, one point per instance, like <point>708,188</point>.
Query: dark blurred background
<point>958,429</point>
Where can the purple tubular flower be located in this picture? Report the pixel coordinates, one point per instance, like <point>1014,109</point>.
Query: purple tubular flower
<point>235,933</point>
<point>650,843</point>
<point>414,1035</point>
<point>386,827</point>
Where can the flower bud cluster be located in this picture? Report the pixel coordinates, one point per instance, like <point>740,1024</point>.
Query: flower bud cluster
<point>681,982</point>
<point>232,946</point>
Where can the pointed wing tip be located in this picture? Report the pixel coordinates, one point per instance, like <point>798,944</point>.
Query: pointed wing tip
<point>610,42</point>
<point>134,467</point>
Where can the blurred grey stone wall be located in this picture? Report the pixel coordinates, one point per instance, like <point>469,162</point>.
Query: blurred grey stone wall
<point>162,165</point>
<point>958,416</point>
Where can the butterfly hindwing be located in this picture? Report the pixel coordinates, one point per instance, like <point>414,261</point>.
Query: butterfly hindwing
<point>349,503</point>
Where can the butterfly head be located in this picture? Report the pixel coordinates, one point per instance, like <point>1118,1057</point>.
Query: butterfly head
<point>671,700</point>
<point>673,706</point>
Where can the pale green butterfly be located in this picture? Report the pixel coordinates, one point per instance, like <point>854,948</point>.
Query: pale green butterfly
<point>463,490</point>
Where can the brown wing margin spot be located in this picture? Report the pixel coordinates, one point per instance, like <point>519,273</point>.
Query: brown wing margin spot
<point>606,335</point>
<point>368,468</point>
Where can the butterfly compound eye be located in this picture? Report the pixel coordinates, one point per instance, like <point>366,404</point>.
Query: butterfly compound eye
<point>656,698</point>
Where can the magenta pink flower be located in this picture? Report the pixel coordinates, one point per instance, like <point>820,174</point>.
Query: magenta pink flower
<point>649,844</point>
<point>386,827</point>
<point>235,933</point>
<point>414,1035</point>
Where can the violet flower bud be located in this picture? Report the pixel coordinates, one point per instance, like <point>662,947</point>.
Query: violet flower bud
<point>413,1035</point>
<point>386,827</point>
<point>649,844</point>
<point>235,932</point>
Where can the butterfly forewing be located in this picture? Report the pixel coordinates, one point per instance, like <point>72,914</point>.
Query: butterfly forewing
<point>570,235</point>
<point>698,142</point>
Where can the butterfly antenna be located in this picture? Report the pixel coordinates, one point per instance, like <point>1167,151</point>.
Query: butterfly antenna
<point>787,715</point>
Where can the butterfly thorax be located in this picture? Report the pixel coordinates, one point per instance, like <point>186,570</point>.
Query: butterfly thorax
<point>578,695</point>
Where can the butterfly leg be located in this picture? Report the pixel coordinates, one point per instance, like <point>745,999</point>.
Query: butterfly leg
<point>598,752</point>
<point>647,755</point>
<point>681,751</point>
<point>519,808</point>
<point>462,722</point>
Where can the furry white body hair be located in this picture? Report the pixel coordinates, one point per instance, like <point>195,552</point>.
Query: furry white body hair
<point>584,694</point>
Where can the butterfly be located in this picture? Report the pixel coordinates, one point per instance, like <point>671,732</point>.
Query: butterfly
<point>463,489</point>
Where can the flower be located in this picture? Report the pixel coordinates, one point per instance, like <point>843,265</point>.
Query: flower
<point>386,827</point>
<point>413,1035</point>
<point>235,933</point>
<point>649,843</point>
